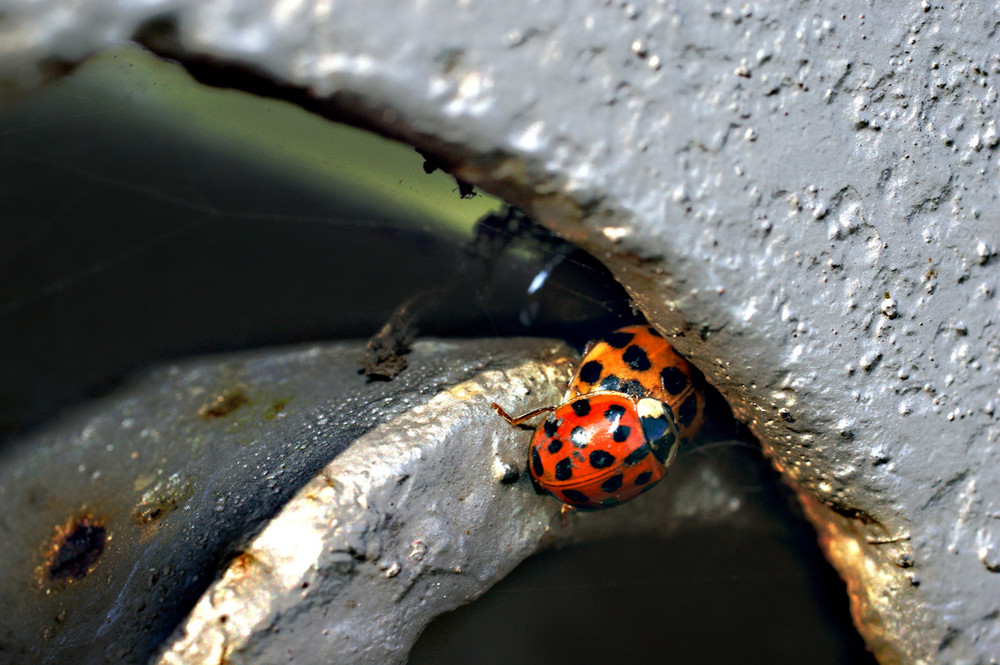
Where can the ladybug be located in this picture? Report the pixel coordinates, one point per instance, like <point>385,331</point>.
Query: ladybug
<point>630,405</point>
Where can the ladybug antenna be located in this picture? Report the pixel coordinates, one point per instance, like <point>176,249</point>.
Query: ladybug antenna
<point>520,419</point>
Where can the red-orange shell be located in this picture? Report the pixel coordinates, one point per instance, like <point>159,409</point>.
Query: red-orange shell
<point>637,361</point>
<point>591,452</point>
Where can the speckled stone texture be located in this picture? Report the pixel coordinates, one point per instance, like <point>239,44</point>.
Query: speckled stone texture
<point>807,192</point>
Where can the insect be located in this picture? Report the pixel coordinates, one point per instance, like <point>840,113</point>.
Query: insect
<point>629,406</point>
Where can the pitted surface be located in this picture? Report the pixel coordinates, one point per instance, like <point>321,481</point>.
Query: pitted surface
<point>120,514</point>
<point>401,527</point>
<point>420,516</point>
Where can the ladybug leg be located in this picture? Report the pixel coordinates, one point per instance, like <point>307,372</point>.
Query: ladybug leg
<point>520,419</point>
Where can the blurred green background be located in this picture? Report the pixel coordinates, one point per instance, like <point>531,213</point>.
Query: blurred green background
<point>147,216</point>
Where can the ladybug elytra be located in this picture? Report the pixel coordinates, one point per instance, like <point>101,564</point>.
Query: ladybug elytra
<point>629,406</point>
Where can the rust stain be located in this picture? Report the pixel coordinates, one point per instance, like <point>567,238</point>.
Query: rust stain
<point>276,407</point>
<point>245,565</point>
<point>74,550</point>
<point>243,561</point>
<point>875,587</point>
<point>166,496</point>
<point>223,404</point>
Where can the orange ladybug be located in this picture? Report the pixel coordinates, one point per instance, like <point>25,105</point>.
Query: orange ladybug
<point>630,405</point>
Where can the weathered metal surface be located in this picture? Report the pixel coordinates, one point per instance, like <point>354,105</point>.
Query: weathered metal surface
<point>201,501</point>
<point>118,517</point>
<point>418,517</point>
<point>411,521</point>
<point>807,192</point>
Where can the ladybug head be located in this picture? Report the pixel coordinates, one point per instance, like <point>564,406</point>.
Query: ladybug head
<point>660,428</point>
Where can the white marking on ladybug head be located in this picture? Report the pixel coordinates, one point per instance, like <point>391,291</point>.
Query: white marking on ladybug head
<point>660,428</point>
<point>648,407</point>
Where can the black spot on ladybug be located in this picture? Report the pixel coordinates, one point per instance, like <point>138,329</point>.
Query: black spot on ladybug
<point>621,433</point>
<point>614,412</point>
<point>550,427</point>
<point>601,459</point>
<point>637,455</point>
<point>610,382</point>
<point>643,477</point>
<point>619,339</point>
<point>579,437</point>
<point>674,380</point>
<point>612,484</point>
<point>576,496</point>
<point>581,407</point>
<point>564,469</point>
<point>591,371</point>
<point>688,410</point>
<point>636,358</point>
<point>536,463</point>
<point>652,331</point>
<point>633,388</point>
<point>555,445</point>
<point>612,501</point>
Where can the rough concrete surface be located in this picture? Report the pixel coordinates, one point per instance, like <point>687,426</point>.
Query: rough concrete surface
<point>808,192</point>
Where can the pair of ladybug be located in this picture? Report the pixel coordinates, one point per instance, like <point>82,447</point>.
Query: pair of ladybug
<point>630,405</point>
